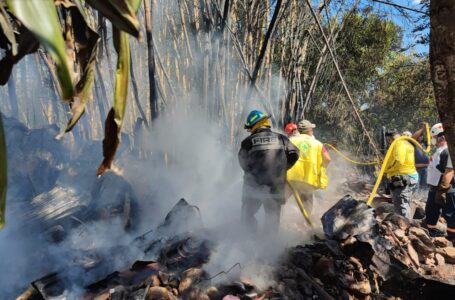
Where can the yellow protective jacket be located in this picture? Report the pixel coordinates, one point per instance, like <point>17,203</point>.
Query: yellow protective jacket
<point>401,160</point>
<point>309,167</point>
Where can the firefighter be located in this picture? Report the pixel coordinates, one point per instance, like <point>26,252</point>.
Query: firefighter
<point>441,195</point>
<point>308,174</point>
<point>264,156</point>
<point>401,173</point>
<point>291,129</point>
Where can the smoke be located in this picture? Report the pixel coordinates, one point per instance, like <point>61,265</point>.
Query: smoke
<point>188,158</point>
<point>190,153</point>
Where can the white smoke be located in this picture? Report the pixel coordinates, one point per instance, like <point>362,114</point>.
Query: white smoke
<point>191,156</point>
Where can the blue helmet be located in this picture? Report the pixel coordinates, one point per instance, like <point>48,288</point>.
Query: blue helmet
<point>254,117</point>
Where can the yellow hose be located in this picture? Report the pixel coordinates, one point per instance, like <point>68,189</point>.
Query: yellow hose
<point>387,157</point>
<point>300,204</point>
<point>352,161</point>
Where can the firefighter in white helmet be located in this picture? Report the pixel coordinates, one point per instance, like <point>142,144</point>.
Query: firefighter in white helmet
<point>441,196</point>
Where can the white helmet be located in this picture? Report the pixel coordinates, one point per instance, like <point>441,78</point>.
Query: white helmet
<point>407,133</point>
<point>436,129</point>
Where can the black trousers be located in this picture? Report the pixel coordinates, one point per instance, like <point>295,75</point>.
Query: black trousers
<point>272,198</point>
<point>433,210</point>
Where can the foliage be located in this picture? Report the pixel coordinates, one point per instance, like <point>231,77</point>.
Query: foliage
<point>40,17</point>
<point>366,45</point>
<point>403,95</point>
<point>114,120</point>
<point>367,42</point>
<point>47,31</point>
<point>62,36</point>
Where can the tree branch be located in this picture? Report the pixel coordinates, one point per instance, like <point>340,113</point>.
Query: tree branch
<point>402,7</point>
<point>356,112</point>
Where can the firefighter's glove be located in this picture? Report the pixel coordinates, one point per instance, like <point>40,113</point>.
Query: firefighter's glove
<point>441,194</point>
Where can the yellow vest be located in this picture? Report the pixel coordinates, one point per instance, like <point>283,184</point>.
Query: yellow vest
<point>401,160</point>
<point>309,167</point>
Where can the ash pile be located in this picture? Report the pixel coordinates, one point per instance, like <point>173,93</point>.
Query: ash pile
<point>176,271</point>
<point>369,253</point>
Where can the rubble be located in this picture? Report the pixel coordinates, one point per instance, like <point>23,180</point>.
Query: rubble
<point>177,272</point>
<point>369,255</point>
<point>365,253</point>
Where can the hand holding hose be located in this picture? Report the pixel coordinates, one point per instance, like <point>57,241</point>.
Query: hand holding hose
<point>388,154</point>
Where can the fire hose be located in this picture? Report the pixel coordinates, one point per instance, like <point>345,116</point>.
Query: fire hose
<point>387,158</point>
<point>351,160</point>
<point>299,201</point>
<point>381,173</point>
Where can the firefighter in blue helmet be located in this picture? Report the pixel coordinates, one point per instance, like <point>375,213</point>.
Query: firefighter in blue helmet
<point>265,156</point>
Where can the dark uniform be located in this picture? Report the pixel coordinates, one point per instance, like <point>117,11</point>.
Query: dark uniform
<point>265,156</point>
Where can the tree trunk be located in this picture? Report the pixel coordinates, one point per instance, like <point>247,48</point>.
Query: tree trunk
<point>151,61</point>
<point>442,59</point>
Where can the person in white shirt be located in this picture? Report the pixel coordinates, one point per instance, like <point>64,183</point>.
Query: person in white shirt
<point>441,195</point>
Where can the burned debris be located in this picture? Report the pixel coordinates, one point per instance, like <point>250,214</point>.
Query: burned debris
<point>365,253</point>
<point>176,273</point>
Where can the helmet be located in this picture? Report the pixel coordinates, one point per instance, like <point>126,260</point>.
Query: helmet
<point>391,132</point>
<point>407,133</point>
<point>435,131</point>
<point>290,128</point>
<point>254,117</point>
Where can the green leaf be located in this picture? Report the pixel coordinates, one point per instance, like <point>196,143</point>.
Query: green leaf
<point>114,120</point>
<point>3,174</point>
<point>120,12</point>
<point>40,17</point>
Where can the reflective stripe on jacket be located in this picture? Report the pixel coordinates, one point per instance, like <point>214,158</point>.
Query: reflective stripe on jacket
<point>265,156</point>
<point>309,167</point>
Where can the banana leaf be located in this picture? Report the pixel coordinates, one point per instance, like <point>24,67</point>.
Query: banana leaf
<point>16,45</point>
<point>7,29</point>
<point>114,120</point>
<point>88,40</point>
<point>40,17</point>
<point>3,174</point>
<point>122,14</point>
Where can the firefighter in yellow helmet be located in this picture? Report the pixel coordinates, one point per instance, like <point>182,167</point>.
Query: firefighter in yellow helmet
<point>308,174</point>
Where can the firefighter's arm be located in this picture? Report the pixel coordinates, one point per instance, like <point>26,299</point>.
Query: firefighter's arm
<point>446,179</point>
<point>444,186</point>
<point>243,159</point>
<point>445,183</point>
<point>326,159</point>
<point>292,153</point>
<point>420,131</point>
